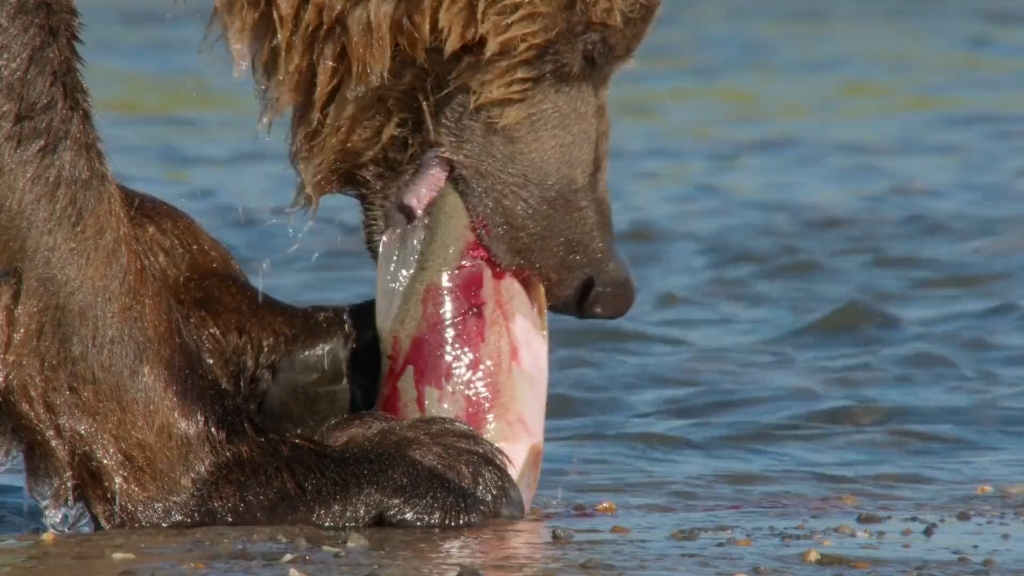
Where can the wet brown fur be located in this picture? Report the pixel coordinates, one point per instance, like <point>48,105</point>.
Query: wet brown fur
<point>361,76</point>
<point>135,355</point>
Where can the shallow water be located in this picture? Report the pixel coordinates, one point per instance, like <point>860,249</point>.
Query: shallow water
<point>821,205</point>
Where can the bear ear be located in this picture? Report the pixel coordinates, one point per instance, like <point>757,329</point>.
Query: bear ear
<point>611,35</point>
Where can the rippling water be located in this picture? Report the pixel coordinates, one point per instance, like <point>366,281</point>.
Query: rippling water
<point>822,205</point>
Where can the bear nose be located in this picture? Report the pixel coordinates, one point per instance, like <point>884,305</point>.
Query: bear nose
<point>608,294</point>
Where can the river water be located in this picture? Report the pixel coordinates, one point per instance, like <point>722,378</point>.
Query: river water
<point>822,203</point>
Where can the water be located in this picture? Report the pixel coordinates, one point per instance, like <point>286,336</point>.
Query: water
<point>821,205</point>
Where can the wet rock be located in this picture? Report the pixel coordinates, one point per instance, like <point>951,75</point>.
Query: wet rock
<point>811,556</point>
<point>929,530</point>
<point>122,556</point>
<point>562,535</point>
<point>869,518</point>
<point>356,540</point>
<point>466,570</point>
<point>1005,536</point>
<point>286,558</point>
<point>47,537</point>
<point>686,535</point>
<point>963,516</point>
<point>300,544</point>
<point>606,507</point>
<point>988,562</point>
<point>906,532</point>
<point>963,559</point>
<point>579,508</point>
<point>294,572</point>
<point>330,549</point>
<point>880,535</point>
<point>744,542</point>
<point>619,530</point>
<point>844,530</point>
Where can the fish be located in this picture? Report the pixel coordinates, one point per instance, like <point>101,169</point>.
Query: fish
<point>461,337</point>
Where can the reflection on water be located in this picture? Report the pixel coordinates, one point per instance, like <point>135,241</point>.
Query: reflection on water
<point>820,202</point>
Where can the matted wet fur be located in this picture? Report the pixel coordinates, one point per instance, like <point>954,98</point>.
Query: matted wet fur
<point>135,357</point>
<point>135,352</point>
<point>512,91</point>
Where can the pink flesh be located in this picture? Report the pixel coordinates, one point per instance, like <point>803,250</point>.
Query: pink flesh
<point>477,350</point>
<point>425,185</point>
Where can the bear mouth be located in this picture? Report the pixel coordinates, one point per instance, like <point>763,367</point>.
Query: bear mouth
<point>460,336</point>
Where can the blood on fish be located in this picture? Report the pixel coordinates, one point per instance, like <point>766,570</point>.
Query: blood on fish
<point>429,353</point>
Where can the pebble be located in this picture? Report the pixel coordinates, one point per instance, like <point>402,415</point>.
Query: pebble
<point>122,555</point>
<point>844,529</point>
<point>562,535</point>
<point>907,532</point>
<point>869,518</point>
<point>988,562</point>
<point>744,542</point>
<point>963,516</point>
<point>929,530</point>
<point>466,570</point>
<point>47,537</point>
<point>356,540</point>
<point>811,556</point>
<point>963,559</point>
<point>606,507</point>
<point>619,530</point>
<point>984,490</point>
<point>686,535</point>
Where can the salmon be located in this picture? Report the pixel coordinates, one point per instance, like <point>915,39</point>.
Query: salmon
<point>461,337</point>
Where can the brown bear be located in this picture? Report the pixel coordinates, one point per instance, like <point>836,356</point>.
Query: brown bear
<point>136,359</point>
